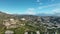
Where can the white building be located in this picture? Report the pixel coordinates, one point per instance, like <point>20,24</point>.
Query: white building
<point>9,32</point>
<point>23,19</point>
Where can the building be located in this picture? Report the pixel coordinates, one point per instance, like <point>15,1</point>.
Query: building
<point>9,32</point>
<point>23,19</point>
<point>10,23</point>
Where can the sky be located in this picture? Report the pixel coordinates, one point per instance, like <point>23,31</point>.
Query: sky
<point>31,7</point>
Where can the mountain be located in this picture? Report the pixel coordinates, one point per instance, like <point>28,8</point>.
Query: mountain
<point>30,22</point>
<point>43,17</point>
<point>17,16</point>
<point>43,14</point>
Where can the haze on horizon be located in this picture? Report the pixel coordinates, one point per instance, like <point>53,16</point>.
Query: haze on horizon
<point>30,6</point>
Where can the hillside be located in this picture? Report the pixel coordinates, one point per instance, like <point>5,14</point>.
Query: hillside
<point>22,23</point>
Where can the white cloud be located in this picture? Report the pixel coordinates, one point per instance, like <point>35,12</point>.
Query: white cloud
<point>38,0</point>
<point>40,3</point>
<point>51,9</point>
<point>50,5</point>
<point>52,0</point>
<point>56,10</point>
<point>30,11</point>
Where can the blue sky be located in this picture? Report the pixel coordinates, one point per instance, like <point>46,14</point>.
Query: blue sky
<point>30,6</point>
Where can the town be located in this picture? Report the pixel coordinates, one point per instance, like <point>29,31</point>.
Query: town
<point>29,24</point>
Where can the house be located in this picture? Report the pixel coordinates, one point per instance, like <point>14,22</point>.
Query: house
<point>9,32</point>
<point>10,23</point>
<point>23,19</point>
